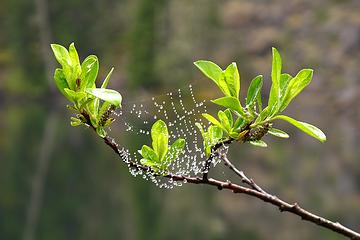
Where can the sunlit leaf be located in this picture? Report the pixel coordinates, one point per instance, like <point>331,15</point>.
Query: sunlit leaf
<point>224,121</point>
<point>232,79</point>
<point>90,69</point>
<point>106,80</point>
<point>231,103</point>
<point>275,78</point>
<point>149,154</point>
<point>258,143</point>
<point>107,95</point>
<point>175,149</point>
<point>229,117</point>
<point>210,69</point>
<point>278,133</point>
<point>305,127</point>
<point>60,82</point>
<point>160,138</point>
<point>75,62</point>
<point>254,90</point>
<point>295,86</point>
<point>212,119</point>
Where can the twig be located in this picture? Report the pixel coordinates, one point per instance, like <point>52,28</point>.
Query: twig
<point>256,192</point>
<point>241,174</point>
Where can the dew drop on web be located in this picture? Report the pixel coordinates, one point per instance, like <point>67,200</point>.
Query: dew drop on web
<point>180,110</point>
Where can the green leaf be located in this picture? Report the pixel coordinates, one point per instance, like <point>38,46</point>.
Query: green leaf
<point>278,133</point>
<point>295,86</point>
<point>254,90</point>
<point>232,103</point>
<point>160,138</point>
<point>284,82</point>
<point>75,96</point>
<point>101,132</point>
<point>305,127</point>
<point>149,163</point>
<point>175,149</point>
<point>61,82</point>
<point>238,123</point>
<point>90,69</point>
<point>75,62</point>
<point>104,107</point>
<point>224,121</point>
<point>232,79</point>
<point>106,80</point>
<point>149,154</point>
<point>107,95</point>
<point>215,134</point>
<point>229,117</point>
<point>200,127</point>
<point>75,122</point>
<point>108,122</point>
<point>258,143</point>
<point>215,73</point>
<point>259,101</point>
<point>275,77</point>
<point>61,55</point>
<point>212,119</point>
<point>210,69</point>
<point>263,115</point>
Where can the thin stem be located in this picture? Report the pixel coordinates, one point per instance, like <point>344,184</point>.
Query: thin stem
<point>254,191</point>
<point>249,181</point>
<point>257,192</point>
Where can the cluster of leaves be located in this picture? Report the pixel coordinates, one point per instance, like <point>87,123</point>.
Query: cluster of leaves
<point>77,82</point>
<point>257,119</point>
<point>161,154</point>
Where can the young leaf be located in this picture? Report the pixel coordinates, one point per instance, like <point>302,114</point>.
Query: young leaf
<point>232,103</point>
<point>75,62</point>
<point>215,134</point>
<point>263,115</point>
<point>89,71</point>
<point>175,150</point>
<point>295,86</point>
<point>212,120</point>
<point>278,133</point>
<point>254,90</point>
<point>238,124</point>
<point>75,122</point>
<point>258,143</point>
<point>160,138</point>
<point>106,80</point>
<point>305,127</point>
<point>232,79</point>
<point>107,95</point>
<point>61,55</point>
<point>224,121</point>
<point>149,154</point>
<point>210,69</point>
<point>149,163</point>
<point>284,82</point>
<point>101,132</point>
<point>275,77</point>
<point>229,117</point>
<point>75,96</point>
<point>60,82</point>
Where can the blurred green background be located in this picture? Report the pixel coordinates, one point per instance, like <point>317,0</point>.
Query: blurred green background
<point>59,182</point>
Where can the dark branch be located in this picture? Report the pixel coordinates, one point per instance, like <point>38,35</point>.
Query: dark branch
<point>253,190</point>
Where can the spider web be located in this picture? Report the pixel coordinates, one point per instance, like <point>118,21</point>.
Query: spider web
<point>180,110</point>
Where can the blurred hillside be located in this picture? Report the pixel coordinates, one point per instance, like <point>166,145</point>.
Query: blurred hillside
<point>58,182</point>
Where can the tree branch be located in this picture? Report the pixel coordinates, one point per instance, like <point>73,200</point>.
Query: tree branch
<point>254,190</point>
